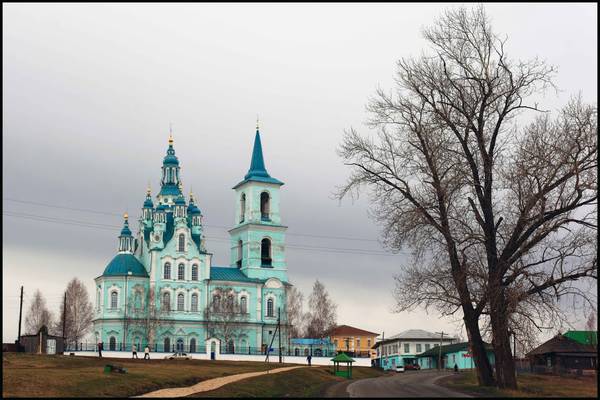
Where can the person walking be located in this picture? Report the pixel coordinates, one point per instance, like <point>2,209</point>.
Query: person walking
<point>147,353</point>
<point>100,349</point>
<point>308,358</point>
<point>134,351</point>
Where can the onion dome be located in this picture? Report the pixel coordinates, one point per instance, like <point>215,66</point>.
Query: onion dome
<point>170,158</point>
<point>180,201</point>
<point>125,231</point>
<point>192,207</point>
<point>125,264</point>
<point>148,202</point>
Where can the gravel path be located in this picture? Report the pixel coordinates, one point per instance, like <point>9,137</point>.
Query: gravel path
<point>212,384</point>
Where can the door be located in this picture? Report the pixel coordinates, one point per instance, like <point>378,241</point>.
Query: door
<point>51,346</point>
<point>180,345</point>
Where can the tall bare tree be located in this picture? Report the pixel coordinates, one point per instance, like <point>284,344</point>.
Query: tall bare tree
<point>295,312</point>
<point>79,310</point>
<point>322,312</point>
<point>501,220</point>
<point>38,314</point>
<point>146,315</point>
<point>224,316</point>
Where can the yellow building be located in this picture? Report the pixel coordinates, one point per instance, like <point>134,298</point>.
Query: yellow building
<point>354,341</point>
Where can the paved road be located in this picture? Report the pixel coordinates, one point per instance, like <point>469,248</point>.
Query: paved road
<point>407,384</point>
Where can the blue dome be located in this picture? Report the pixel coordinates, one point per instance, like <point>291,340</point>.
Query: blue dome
<point>180,200</point>
<point>148,203</point>
<point>161,208</point>
<point>125,231</point>
<point>122,264</point>
<point>195,210</point>
<point>170,159</point>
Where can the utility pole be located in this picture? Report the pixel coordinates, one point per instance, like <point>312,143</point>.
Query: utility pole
<point>440,350</point>
<point>20,315</point>
<point>279,329</point>
<point>65,319</point>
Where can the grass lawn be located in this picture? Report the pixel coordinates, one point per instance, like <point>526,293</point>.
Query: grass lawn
<point>301,382</point>
<point>530,385</point>
<point>31,375</point>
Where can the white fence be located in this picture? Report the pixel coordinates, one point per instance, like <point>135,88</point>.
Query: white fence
<point>359,362</point>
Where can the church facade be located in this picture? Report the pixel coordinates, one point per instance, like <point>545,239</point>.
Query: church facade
<point>162,290</point>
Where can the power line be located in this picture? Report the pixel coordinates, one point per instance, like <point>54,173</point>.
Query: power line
<point>92,225</point>
<point>208,226</point>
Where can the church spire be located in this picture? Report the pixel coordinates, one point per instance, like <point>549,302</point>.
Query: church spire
<point>125,238</point>
<point>171,181</point>
<point>257,165</point>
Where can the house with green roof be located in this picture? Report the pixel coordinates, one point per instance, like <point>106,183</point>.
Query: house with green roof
<point>583,337</point>
<point>161,289</point>
<point>458,354</point>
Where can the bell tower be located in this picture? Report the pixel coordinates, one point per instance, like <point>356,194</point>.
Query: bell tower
<point>258,238</point>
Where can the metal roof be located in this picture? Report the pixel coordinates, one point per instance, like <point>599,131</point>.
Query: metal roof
<point>230,274</point>
<point>418,334</point>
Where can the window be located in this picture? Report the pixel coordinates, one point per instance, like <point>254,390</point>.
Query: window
<point>194,272</point>
<point>265,252</point>
<point>166,301</point>
<point>264,206</point>
<point>181,272</point>
<point>305,352</point>
<point>296,352</point>
<point>114,298</point>
<point>181,242</point>
<point>270,308</point>
<point>243,305</point>
<point>179,344</point>
<point>192,345</point>
<point>369,343</point>
<point>435,345</point>
<point>167,271</point>
<point>240,253</point>
<point>407,347</point>
<point>180,302</point>
<point>167,344</point>
<point>230,302</point>
<point>418,347</point>
<point>194,302</point>
<point>98,298</point>
<point>243,208</point>
<point>137,302</point>
<point>358,343</point>
<point>230,347</point>
<point>427,346</point>
<point>112,344</point>
<point>216,302</point>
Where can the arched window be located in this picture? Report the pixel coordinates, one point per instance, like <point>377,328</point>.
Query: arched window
<point>305,352</point>
<point>296,351</point>
<point>270,308</point>
<point>167,271</point>
<point>114,299</point>
<point>167,345</point>
<point>166,301</point>
<point>180,302</point>
<point>243,305</point>
<point>180,345</point>
<point>318,353</point>
<point>194,302</point>
<point>98,298</point>
<point>137,302</point>
<point>243,208</point>
<point>181,242</point>
<point>230,303</point>
<point>194,272</point>
<point>192,345</point>
<point>264,206</point>
<point>181,272</point>
<point>137,343</point>
<point>265,252</point>
<point>112,343</point>
<point>240,253</point>
<point>216,302</point>
<point>230,347</point>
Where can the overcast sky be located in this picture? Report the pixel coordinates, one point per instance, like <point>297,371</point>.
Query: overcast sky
<point>89,91</point>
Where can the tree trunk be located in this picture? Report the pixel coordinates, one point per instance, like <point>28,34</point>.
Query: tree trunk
<point>485,376</point>
<point>505,363</point>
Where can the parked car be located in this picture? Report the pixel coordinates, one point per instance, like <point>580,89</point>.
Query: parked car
<point>399,368</point>
<point>178,356</point>
<point>414,367</point>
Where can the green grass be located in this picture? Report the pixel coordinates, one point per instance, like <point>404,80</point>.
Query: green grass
<point>301,382</point>
<point>529,385</point>
<point>31,375</point>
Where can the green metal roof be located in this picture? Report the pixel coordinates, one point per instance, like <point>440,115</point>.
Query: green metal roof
<point>342,357</point>
<point>583,337</point>
<point>122,264</point>
<point>257,171</point>
<point>230,274</point>
<point>450,348</point>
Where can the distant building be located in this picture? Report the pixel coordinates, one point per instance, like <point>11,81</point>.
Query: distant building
<point>458,354</point>
<point>42,343</point>
<point>314,347</point>
<point>403,348</point>
<point>583,337</point>
<point>561,354</point>
<point>353,341</point>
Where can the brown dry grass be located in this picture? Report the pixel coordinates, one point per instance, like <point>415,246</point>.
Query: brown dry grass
<point>30,375</point>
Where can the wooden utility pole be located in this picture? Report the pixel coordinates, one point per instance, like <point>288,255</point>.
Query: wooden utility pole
<point>65,319</point>
<point>440,350</point>
<point>279,329</point>
<point>20,315</point>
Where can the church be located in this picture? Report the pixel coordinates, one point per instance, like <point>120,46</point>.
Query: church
<point>162,290</point>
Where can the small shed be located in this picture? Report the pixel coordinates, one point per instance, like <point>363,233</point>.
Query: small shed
<point>342,358</point>
<point>42,343</point>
